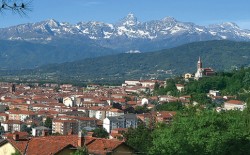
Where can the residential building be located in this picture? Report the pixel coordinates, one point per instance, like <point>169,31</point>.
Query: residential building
<point>124,121</point>
<point>64,126</point>
<point>12,125</point>
<point>179,87</point>
<point>234,105</point>
<point>40,131</point>
<point>20,115</point>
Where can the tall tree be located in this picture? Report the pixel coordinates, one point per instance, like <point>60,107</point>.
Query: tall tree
<point>48,123</point>
<point>139,138</point>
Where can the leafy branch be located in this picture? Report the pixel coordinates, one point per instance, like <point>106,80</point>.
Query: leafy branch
<point>16,6</point>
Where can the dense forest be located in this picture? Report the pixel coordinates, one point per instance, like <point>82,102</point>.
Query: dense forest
<point>200,129</point>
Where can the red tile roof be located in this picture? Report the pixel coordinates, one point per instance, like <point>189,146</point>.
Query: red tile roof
<point>235,102</point>
<point>53,144</point>
<point>103,146</point>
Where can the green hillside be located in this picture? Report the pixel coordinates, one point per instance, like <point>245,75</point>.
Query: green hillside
<point>220,55</point>
<point>23,54</point>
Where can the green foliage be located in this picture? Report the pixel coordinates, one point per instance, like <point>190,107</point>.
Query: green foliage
<point>24,128</point>
<point>141,109</point>
<point>201,98</point>
<point>171,106</point>
<point>139,138</point>
<point>16,153</point>
<point>81,151</point>
<point>205,132</point>
<point>100,133</point>
<point>1,130</point>
<point>170,89</point>
<point>48,123</point>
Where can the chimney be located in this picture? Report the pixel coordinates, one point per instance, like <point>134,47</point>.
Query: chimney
<point>90,134</point>
<point>16,136</point>
<point>70,132</point>
<point>81,139</point>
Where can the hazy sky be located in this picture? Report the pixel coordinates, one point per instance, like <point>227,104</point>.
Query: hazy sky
<point>202,12</point>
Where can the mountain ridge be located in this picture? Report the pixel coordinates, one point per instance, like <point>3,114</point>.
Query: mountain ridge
<point>59,42</point>
<point>127,34</point>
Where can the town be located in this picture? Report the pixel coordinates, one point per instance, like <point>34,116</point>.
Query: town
<point>57,119</point>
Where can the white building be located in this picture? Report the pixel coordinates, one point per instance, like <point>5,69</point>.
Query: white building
<point>12,125</point>
<point>132,82</point>
<point>68,101</point>
<point>40,131</point>
<point>124,121</point>
<point>234,105</point>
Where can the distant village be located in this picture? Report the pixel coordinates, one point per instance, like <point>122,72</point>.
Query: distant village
<point>74,112</point>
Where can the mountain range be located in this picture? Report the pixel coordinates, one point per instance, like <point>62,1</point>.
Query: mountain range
<point>35,44</point>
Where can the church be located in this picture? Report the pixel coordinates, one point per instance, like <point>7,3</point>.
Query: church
<point>203,72</point>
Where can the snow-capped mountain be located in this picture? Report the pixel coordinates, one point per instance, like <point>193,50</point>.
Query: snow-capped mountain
<point>127,34</point>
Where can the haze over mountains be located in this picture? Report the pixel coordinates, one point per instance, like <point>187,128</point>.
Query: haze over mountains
<point>36,44</point>
<point>221,55</point>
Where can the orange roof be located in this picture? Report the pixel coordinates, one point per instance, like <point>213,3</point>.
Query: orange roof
<point>131,102</point>
<point>53,144</point>
<point>50,145</point>
<point>12,111</point>
<point>19,145</point>
<point>12,122</point>
<point>179,85</point>
<point>103,146</point>
<point>235,102</point>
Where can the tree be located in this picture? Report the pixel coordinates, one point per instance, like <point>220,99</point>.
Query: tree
<point>16,6</point>
<point>100,133</point>
<point>171,106</point>
<point>25,128</point>
<point>1,130</point>
<point>139,138</point>
<point>81,151</point>
<point>203,132</point>
<point>16,153</point>
<point>141,109</point>
<point>48,123</point>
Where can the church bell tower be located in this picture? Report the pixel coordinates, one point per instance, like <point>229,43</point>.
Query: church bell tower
<point>199,64</point>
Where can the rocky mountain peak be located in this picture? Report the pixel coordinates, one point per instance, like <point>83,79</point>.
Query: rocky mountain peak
<point>129,20</point>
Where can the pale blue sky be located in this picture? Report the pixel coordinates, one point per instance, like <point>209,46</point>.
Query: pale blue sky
<point>202,12</point>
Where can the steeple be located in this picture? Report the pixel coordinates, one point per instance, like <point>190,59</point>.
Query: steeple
<point>199,64</point>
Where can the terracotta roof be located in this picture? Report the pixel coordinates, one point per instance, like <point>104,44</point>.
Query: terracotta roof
<point>19,145</point>
<point>235,102</point>
<point>50,144</point>
<point>53,144</point>
<point>179,85</point>
<point>102,146</point>
<point>12,111</point>
<point>12,122</point>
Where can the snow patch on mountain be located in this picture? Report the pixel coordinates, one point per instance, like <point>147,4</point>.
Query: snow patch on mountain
<point>125,31</point>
